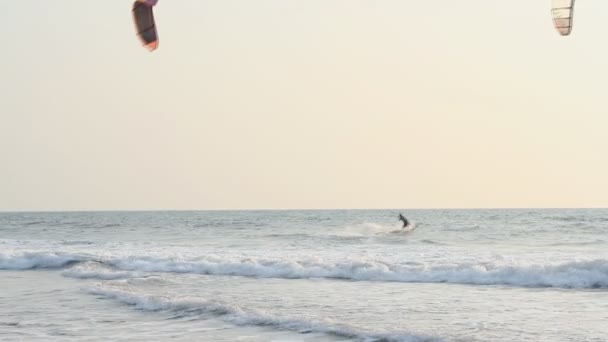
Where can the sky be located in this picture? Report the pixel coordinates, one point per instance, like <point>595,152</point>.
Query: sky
<point>302,104</point>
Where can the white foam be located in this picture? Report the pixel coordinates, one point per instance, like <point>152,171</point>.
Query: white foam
<point>95,270</point>
<point>581,274</point>
<point>241,316</point>
<point>366,229</point>
<point>500,271</point>
<point>32,260</point>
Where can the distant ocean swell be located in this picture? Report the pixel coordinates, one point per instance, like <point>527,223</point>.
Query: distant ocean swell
<point>237,315</point>
<point>589,274</point>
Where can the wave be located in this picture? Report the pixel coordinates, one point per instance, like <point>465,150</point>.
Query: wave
<point>433,242</point>
<point>583,274</point>
<point>35,260</point>
<point>578,243</point>
<point>33,223</point>
<point>73,224</point>
<point>241,316</point>
<point>573,218</point>
<point>590,274</point>
<point>96,270</point>
<point>76,242</point>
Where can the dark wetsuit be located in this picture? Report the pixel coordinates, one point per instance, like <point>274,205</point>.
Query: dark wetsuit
<point>404,220</point>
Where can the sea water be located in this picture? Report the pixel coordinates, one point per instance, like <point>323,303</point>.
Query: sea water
<point>327,275</point>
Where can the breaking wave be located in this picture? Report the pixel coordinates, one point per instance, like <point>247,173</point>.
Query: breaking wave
<point>590,274</point>
<point>95,270</point>
<point>240,316</point>
<point>26,261</point>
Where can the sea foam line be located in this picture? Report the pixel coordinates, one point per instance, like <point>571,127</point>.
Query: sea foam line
<point>34,260</point>
<point>579,274</point>
<point>576,274</point>
<point>240,316</point>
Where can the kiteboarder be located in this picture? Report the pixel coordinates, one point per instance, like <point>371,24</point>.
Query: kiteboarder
<point>404,220</point>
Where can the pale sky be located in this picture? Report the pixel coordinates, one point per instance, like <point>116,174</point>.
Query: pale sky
<point>276,104</point>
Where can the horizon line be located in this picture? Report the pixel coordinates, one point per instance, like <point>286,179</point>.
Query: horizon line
<point>282,209</point>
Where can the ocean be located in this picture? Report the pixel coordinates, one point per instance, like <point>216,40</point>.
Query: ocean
<point>305,275</point>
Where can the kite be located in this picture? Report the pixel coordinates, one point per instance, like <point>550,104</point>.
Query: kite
<point>143,17</point>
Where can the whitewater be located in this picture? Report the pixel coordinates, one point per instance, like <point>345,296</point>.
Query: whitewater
<point>305,275</point>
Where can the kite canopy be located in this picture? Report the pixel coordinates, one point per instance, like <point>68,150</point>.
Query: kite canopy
<point>562,11</point>
<point>143,17</point>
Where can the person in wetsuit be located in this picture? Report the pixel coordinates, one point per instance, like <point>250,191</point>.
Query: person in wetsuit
<point>404,220</point>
